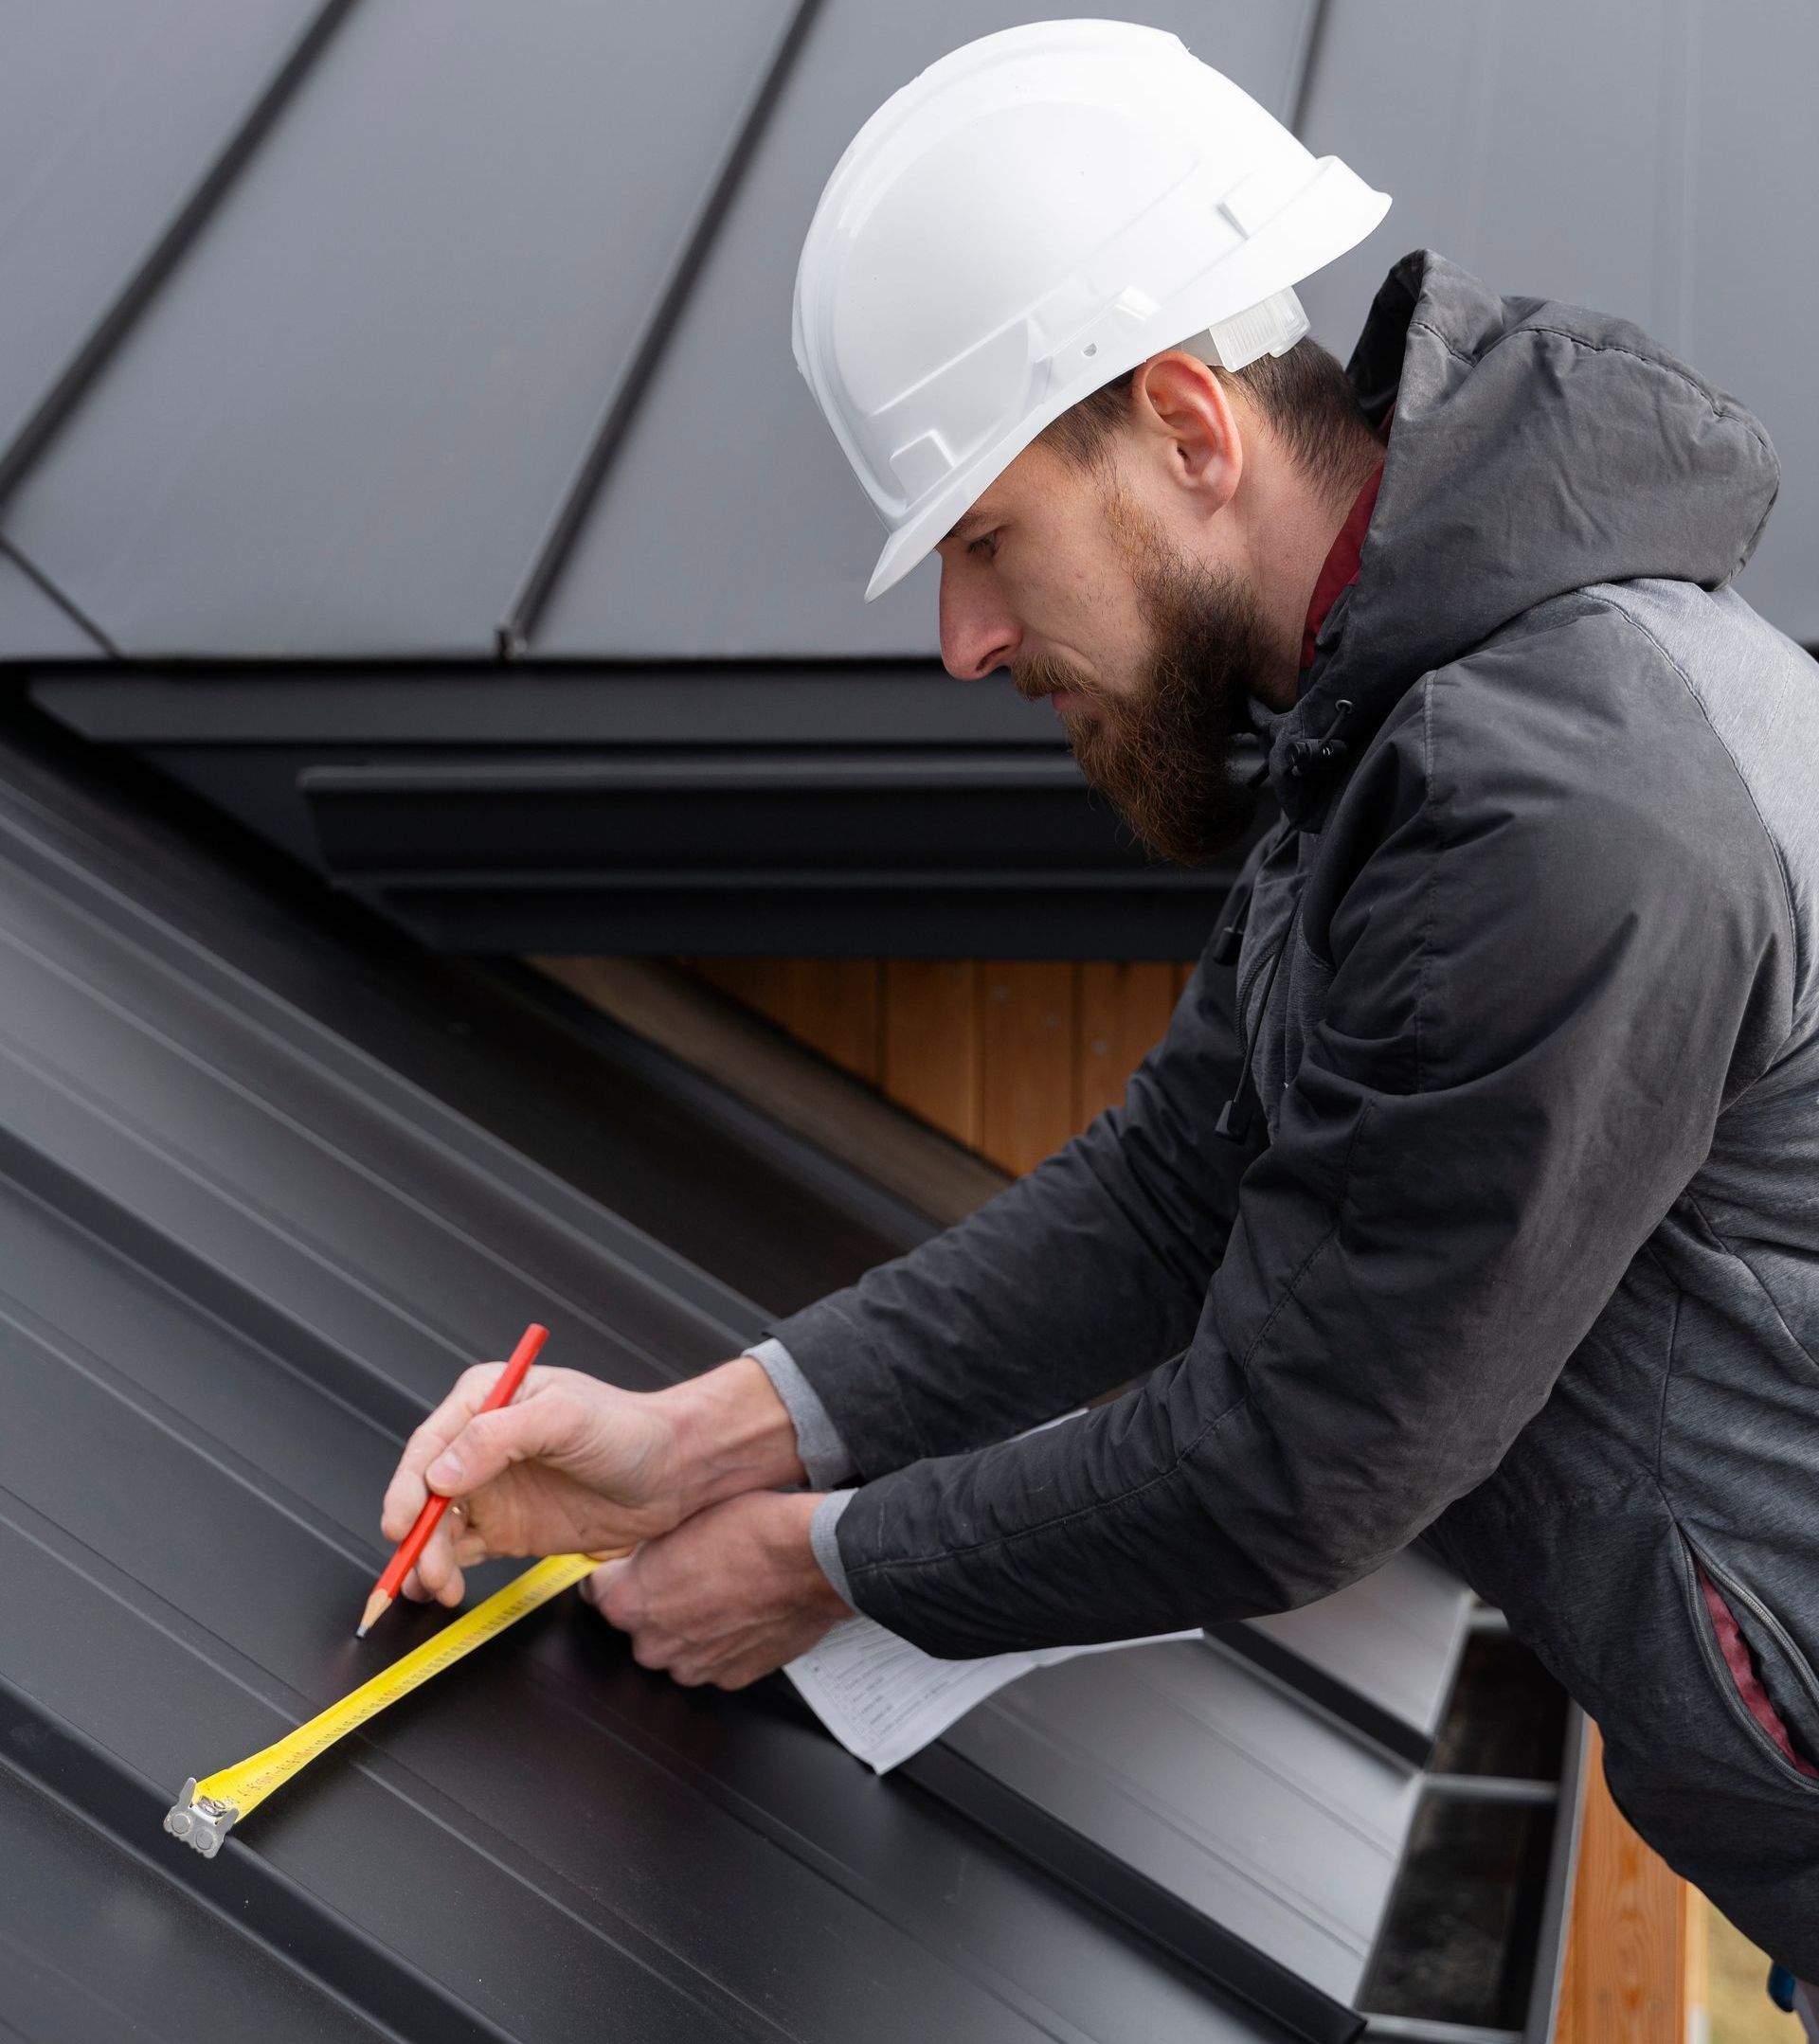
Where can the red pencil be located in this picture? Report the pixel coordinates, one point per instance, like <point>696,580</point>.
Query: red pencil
<point>412,1545</point>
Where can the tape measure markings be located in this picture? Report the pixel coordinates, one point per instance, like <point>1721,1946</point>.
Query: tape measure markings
<point>207,1809</point>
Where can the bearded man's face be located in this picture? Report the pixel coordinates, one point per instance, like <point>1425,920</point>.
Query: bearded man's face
<point>1161,746</point>
<point>1064,577</point>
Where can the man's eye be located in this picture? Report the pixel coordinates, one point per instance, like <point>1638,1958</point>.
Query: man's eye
<point>985,539</point>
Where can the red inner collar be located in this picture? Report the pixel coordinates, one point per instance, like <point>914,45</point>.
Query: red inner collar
<point>1340,568</point>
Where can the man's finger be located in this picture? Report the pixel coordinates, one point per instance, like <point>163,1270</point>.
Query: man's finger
<point>406,1493</point>
<point>619,1596</point>
<point>436,1564</point>
<point>494,1441</point>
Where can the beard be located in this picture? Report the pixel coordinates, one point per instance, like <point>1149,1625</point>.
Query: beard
<point>1163,752</point>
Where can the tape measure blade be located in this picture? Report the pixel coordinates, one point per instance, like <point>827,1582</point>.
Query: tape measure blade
<point>248,1782</point>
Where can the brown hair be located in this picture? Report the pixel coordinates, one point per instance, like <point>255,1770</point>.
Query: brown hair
<point>1303,395</point>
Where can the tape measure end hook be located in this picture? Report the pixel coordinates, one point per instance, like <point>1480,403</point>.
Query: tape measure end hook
<point>200,1821</point>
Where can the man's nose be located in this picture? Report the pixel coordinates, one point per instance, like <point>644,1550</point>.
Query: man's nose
<point>977,634</point>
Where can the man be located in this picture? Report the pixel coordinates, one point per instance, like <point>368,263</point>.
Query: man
<point>1473,1191</point>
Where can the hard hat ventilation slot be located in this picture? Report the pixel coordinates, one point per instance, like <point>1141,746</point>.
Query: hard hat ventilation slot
<point>1271,327</point>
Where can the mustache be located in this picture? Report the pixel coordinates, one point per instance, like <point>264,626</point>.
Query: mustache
<point>1041,674</point>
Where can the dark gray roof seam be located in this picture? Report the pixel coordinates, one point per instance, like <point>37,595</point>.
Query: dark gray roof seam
<point>552,551</point>
<point>37,577</point>
<point>190,218</point>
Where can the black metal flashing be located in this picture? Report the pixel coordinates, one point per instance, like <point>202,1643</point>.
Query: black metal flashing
<point>1381,1657</point>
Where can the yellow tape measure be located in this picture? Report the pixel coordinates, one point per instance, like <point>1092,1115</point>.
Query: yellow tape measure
<point>206,1810</point>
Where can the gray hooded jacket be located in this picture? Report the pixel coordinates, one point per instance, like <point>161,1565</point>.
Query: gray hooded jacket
<point>1522,1249</point>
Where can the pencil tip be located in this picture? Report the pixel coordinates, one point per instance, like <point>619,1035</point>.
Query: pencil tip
<point>359,1632</point>
<point>377,1605</point>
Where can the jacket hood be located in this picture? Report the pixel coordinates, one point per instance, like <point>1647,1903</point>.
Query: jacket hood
<point>1537,447</point>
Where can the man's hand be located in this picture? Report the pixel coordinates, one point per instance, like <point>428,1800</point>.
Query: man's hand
<point>725,1598</point>
<point>574,1465</point>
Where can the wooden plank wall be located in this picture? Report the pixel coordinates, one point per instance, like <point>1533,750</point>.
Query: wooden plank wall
<point>1009,1058</point>
<point>1635,1955</point>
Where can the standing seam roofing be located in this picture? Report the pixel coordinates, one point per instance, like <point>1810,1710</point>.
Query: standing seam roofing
<point>431,329</point>
<point>244,1254</point>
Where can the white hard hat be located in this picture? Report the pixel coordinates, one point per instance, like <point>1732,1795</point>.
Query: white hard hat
<point>1027,219</point>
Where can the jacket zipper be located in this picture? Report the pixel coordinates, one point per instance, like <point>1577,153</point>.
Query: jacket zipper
<point>1234,1117</point>
<point>1721,1673</point>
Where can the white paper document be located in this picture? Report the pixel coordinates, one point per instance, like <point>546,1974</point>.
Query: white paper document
<point>884,1699</point>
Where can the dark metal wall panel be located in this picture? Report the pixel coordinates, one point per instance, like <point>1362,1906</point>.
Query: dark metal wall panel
<point>1185,1766</point>
<point>590,1878</point>
<point>730,525</point>
<point>1658,160</point>
<point>111,111</point>
<point>260,1158</point>
<point>345,421</point>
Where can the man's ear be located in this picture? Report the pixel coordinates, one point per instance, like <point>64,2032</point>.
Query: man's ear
<point>1184,418</point>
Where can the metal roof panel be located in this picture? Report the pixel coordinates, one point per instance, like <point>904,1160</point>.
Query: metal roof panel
<point>343,423</point>
<point>250,1252</point>
<point>32,625</point>
<point>731,524</point>
<point>1659,162</point>
<point>108,121</point>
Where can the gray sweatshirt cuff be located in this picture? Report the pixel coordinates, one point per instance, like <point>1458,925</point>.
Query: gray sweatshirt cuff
<point>823,1453</point>
<point>822,1530</point>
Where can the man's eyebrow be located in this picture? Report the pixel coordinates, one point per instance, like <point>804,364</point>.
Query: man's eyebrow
<point>970,523</point>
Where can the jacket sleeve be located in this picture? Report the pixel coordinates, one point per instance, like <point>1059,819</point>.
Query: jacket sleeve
<point>1544,988</point>
<point>1083,1274</point>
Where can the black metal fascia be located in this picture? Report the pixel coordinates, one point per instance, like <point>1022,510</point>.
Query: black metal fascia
<point>746,916</point>
<point>994,852</point>
<point>831,809</point>
<point>805,702</point>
